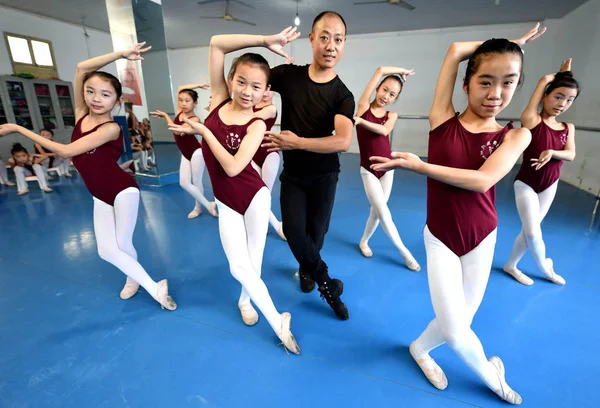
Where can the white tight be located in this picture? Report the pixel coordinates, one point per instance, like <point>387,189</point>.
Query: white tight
<point>243,238</point>
<point>457,285</point>
<point>268,173</point>
<point>59,162</point>
<point>190,178</point>
<point>378,192</point>
<point>113,227</point>
<point>22,172</point>
<point>532,208</point>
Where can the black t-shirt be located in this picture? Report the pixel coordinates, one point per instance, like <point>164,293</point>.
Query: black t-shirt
<point>308,110</point>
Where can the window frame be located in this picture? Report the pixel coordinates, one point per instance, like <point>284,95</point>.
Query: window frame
<point>43,71</point>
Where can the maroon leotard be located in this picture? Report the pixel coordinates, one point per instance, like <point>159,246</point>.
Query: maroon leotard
<point>460,218</point>
<point>543,137</point>
<point>187,144</point>
<point>235,192</point>
<point>98,168</point>
<point>371,143</point>
<point>262,153</point>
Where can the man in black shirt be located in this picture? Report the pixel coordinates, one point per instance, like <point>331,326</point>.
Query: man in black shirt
<point>315,103</point>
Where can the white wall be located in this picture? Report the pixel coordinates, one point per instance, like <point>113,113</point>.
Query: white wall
<point>424,50</point>
<point>69,46</point>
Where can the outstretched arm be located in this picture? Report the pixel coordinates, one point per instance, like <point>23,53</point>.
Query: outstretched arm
<point>105,134</point>
<point>163,115</point>
<point>481,180</point>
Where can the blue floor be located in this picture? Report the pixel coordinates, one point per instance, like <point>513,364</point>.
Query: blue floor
<point>67,340</point>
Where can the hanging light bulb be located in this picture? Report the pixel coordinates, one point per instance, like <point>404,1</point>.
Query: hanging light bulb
<point>297,19</point>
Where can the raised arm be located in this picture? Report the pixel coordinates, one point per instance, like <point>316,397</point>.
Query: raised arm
<point>442,108</point>
<point>365,98</point>
<point>531,116</point>
<point>94,64</point>
<point>220,45</point>
<point>200,85</point>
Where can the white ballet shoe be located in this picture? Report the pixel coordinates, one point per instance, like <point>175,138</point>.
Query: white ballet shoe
<point>553,276</point>
<point>285,335</point>
<point>162,296</point>
<point>505,392</point>
<point>249,314</point>
<point>195,213</point>
<point>47,190</point>
<point>411,263</point>
<point>130,289</point>
<point>365,250</point>
<point>213,209</point>
<point>23,192</point>
<point>431,369</point>
<point>518,275</point>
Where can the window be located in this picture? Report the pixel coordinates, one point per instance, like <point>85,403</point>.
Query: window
<point>31,55</point>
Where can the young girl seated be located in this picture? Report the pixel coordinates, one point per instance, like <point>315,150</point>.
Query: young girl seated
<point>25,165</point>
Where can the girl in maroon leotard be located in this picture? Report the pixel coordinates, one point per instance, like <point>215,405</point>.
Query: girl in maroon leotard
<point>468,155</point>
<point>191,169</point>
<point>231,136</point>
<point>95,147</point>
<point>537,180</point>
<point>373,126</point>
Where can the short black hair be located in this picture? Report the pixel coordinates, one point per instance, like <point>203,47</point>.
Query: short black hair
<point>323,14</point>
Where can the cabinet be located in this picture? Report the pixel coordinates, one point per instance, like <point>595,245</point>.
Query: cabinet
<point>37,103</point>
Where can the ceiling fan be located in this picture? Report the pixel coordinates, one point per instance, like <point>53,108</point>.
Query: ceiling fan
<point>400,3</point>
<point>227,16</point>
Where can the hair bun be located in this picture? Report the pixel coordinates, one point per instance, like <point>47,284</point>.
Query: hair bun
<point>564,74</point>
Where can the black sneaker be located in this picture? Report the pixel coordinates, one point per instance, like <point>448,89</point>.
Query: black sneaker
<point>306,283</point>
<point>331,290</point>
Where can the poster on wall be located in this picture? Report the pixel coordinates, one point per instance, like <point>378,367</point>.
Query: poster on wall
<point>129,79</point>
